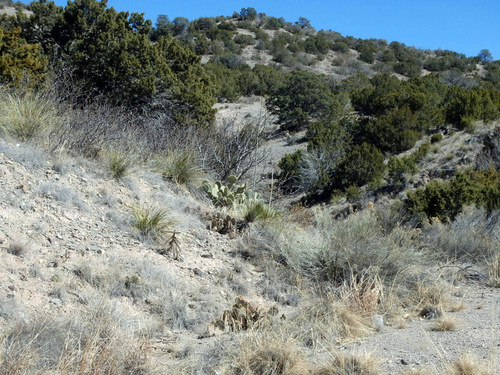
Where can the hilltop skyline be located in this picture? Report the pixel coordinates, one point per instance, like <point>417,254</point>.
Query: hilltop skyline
<point>461,25</point>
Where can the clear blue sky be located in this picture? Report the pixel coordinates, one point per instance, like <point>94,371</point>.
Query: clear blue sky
<point>464,26</point>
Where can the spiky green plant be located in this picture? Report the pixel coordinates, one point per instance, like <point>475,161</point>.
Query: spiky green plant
<point>152,222</point>
<point>119,164</point>
<point>180,166</point>
<point>257,210</point>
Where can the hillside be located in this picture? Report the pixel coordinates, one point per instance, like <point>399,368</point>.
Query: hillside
<point>74,267</point>
<point>243,195</point>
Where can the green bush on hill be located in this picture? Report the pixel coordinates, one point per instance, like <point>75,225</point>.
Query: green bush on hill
<point>445,199</point>
<point>20,61</point>
<point>110,54</point>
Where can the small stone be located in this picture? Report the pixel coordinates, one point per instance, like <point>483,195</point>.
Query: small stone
<point>378,322</point>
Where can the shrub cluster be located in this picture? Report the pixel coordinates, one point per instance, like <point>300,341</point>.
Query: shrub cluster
<point>445,199</point>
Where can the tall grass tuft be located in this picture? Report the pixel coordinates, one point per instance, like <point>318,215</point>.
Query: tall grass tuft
<point>119,164</point>
<point>24,114</point>
<point>180,166</point>
<point>152,222</point>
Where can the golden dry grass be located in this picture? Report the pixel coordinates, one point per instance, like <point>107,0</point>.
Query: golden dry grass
<point>445,323</point>
<point>468,365</point>
<point>349,364</point>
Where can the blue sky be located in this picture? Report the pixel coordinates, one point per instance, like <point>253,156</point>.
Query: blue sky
<point>464,26</point>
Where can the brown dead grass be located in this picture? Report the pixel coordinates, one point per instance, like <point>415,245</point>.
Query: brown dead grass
<point>349,364</point>
<point>445,323</point>
<point>468,365</point>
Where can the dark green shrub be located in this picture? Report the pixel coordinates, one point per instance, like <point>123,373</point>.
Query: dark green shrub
<point>341,47</point>
<point>244,40</point>
<point>421,152</point>
<point>435,138</point>
<point>395,131</point>
<point>302,98</point>
<point>352,193</point>
<point>445,199</point>
<point>290,167</point>
<point>363,164</point>
<point>408,69</point>
<point>366,55</point>
<point>20,60</point>
<point>399,167</point>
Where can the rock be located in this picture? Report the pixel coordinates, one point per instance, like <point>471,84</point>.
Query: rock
<point>430,312</point>
<point>378,322</point>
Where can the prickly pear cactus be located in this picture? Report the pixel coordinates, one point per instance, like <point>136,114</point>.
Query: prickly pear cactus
<point>227,195</point>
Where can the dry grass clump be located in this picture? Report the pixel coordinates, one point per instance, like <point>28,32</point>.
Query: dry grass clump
<point>416,371</point>
<point>349,364</point>
<point>19,247</point>
<point>262,354</point>
<point>91,343</point>
<point>444,324</point>
<point>493,266</point>
<point>362,292</point>
<point>468,365</point>
<point>24,114</point>
<point>327,320</point>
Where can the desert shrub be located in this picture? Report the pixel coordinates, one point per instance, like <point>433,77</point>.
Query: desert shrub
<point>395,131</point>
<point>256,209</point>
<point>472,236</point>
<point>468,365</point>
<point>464,107</point>
<point>289,167</point>
<point>398,168</point>
<point>244,40</point>
<point>435,138</point>
<point>366,55</point>
<point>301,99</point>
<point>267,355</point>
<point>94,129</point>
<point>408,69</point>
<point>363,164</point>
<point>335,249</point>
<point>352,193</point>
<point>489,155</point>
<point>445,199</point>
<point>116,59</point>
<point>235,148</point>
<point>341,47</point>
<point>349,364</point>
<point>421,152</point>
<point>93,342</point>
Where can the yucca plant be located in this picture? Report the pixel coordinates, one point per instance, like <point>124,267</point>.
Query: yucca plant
<point>119,164</point>
<point>180,166</point>
<point>257,210</point>
<point>152,222</point>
